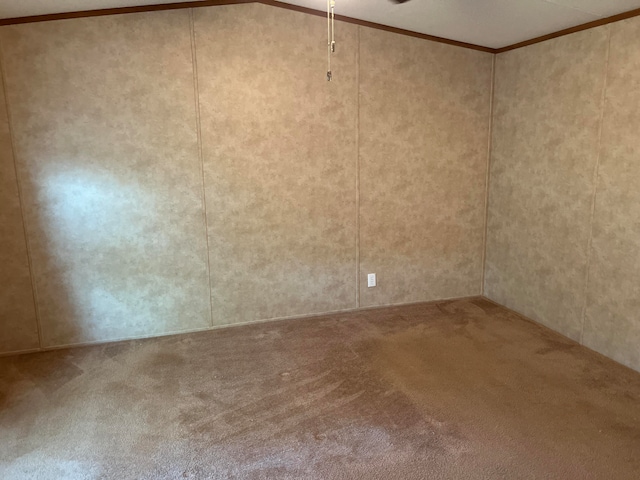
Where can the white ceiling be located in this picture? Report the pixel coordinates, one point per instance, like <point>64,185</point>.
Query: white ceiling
<point>490,23</point>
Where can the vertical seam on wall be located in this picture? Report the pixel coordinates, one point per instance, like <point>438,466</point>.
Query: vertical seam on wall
<point>196,92</point>
<point>596,173</point>
<point>34,290</point>
<point>488,174</point>
<point>358,167</point>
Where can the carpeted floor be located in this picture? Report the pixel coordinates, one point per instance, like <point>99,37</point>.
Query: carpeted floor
<point>457,390</point>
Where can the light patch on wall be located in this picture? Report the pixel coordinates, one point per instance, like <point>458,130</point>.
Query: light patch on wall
<point>90,207</point>
<point>93,212</point>
<point>104,126</point>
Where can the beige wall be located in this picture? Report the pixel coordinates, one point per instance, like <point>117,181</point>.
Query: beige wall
<point>547,109</point>
<point>182,170</point>
<point>193,168</point>
<point>423,162</point>
<point>612,321</point>
<point>103,120</point>
<point>279,150</point>
<point>18,328</point>
<point>563,242</point>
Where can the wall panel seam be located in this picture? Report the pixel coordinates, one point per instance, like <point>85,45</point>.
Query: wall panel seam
<point>596,172</point>
<point>358,166</point>
<point>196,92</point>
<point>34,290</point>
<point>488,174</point>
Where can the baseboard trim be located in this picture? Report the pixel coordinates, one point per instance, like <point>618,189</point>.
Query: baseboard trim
<point>235,325</point>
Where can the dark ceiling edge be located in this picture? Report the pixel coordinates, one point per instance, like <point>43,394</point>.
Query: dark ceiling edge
<point>567,31</point>
<point>211,3</point>
<point>117,11</point>
<point>355,21</point>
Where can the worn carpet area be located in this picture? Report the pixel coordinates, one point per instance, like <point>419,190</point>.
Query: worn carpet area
<point>454,390</point>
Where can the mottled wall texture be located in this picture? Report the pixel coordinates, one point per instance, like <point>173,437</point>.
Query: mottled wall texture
<point>279,150</point>
<point>182,170</point>
<point>612,320</point>
<point>423,164</point>
<point>104,130</point>
<point>547,110</point>
<point>187,169</point>
<point>18,327</point>
<point>563,244</point>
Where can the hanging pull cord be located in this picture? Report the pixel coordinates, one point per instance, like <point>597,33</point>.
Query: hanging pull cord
<point>333,28</point>
<point>331,42</point>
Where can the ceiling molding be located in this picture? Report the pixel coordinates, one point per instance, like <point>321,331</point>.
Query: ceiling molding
<point>212,3</point>
<point>118,11</point>
<point>378,26</point>
<point>310,11</point>
<point>567,31</point>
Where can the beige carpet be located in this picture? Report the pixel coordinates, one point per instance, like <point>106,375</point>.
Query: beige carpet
<point>455,390</point>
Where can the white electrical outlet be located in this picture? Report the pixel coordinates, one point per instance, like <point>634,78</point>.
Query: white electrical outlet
<point>371,280</point>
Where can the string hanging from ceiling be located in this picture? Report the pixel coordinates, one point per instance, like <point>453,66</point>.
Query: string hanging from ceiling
<point>331,41</point>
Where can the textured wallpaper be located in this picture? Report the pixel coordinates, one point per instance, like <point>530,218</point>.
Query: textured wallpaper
<point>18,329</point>
<point>547,110</point>
<point>612,324</point>
<point>424,130</point>
<point>279,149</point>
<point>563,242</point>
<point>188,169</point>
<point>103,117</point>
